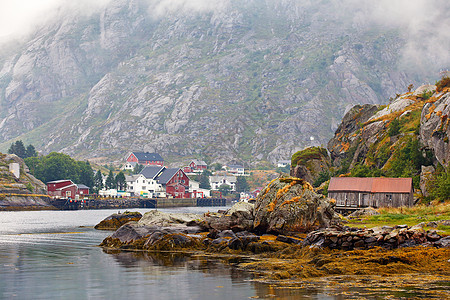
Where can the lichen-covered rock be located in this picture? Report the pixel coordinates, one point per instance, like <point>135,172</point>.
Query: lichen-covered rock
<point>115,221</point>
<point>290,205</point>
<point>434,126</point>
<point>238,218</point>
<point>367,211</point>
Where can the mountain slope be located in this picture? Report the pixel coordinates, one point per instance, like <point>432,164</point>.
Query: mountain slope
<point>253,80</point>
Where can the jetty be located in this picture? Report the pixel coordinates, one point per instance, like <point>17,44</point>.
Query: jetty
<point>107,203</point>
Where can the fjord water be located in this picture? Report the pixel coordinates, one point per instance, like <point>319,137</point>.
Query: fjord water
<point>54,255</point>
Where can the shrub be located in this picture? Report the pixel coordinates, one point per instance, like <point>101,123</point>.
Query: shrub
<point>443,83</point>
<point>394,128</point>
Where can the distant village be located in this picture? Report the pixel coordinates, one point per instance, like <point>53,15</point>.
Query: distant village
<point>155,180</point>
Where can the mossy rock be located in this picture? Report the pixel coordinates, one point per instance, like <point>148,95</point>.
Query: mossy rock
<point>289,206</point>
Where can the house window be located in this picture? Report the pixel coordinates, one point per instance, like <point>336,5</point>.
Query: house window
<point>68,193</point>
<point>144,187</point>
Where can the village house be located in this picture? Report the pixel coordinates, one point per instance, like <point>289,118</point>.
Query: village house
<point>159,182</point>
<point>352,192</point>
<point>237,170</point>
<point>218,180</point>
<point>195,166</point>
<point>176,182</point>
<point>145,183</point>
<point>66,189</point>
<point>196,191</point>
<point>143,158</point>
<point>283,163</point>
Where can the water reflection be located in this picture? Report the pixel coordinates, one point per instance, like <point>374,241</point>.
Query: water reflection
<point>47,255</point>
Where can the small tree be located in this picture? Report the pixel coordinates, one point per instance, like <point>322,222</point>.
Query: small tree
<point>394,128</point>
<point>30,151</point>
<point>98,181</point>
<point>137,168</point>
<point>121,182</point>
<point>110,181</point>
<point>242,184</point>
<point>18,149</point>
<point>204,181</point>
<point>225,189</point>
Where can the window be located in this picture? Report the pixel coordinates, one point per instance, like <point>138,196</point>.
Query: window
<point>144,187</point>
<point>68,193</point>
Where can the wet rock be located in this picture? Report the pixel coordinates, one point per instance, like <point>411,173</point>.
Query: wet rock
<point>235,244</point>
<point>159,218</point>
<point>114,221</point>
<point>288,239</point>
<point>227,233</point>
<point>131,231</point>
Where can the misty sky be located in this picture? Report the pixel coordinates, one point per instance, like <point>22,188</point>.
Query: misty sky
<point>424,23</point>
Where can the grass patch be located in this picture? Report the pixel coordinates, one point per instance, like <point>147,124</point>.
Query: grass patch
<point>410,216</point>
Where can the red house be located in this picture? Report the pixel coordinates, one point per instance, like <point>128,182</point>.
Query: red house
<point>176,182</point>
<point>145,158</point>
<point>195,166</point>
<point>62,189</point>
<point>66,189</point>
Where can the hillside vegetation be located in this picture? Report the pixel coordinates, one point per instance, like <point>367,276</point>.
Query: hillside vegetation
<point>409,137</point>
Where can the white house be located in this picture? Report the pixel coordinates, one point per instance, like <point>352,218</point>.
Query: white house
<point>237,170</point>
<point>217,181</point>
<point>283,163</point>
<point>196,191</point>
<point>145,183</point>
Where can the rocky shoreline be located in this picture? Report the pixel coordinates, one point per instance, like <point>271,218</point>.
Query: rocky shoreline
<point>265,233</point>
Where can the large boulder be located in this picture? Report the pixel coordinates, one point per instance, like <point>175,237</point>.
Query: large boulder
<point>159,218</point>
<point>238,218</point>
<point>289,205</point>
<point>309,163</point>
<point>115,221</point>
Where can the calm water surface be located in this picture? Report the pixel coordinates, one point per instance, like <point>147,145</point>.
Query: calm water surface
<point>54,255</point>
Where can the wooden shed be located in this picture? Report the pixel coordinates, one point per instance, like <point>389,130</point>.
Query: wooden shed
<point>354,192</point>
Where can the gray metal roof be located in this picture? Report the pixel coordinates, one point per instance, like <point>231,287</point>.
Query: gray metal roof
<point>148,156</point>
<point>150,172</point>
<point>82,186</point>
<point>166,175</point>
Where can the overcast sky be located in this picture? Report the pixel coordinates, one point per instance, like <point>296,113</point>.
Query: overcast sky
<point>424,23</point>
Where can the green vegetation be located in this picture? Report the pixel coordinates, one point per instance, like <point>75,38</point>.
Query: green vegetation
<point>443,83</point>
<point>120,181</point>
<point>58,166</point>
<point>394,128</point>
<point>242,184</point>
<point>407,215</point>
<point>301,157</point>
<point>19,149</point>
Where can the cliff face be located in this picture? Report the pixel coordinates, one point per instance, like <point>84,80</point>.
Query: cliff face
<point>407,138</point>
<point>253,80</point>
<point>23,192</point>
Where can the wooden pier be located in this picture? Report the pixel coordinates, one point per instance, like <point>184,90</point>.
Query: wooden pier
<point>107,203</point>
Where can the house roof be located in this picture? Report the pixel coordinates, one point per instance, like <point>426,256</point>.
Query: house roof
<point>59,181</point>
<point>66,186</point>
<point>235,166</point>
<point>131,178</point>
<point>166,175</point>
<point>148,156</point>
<point>150,172</point>
<point>82,186</point>
<point>220,178</point>
<point>199,162</point>
<point>370,184</point>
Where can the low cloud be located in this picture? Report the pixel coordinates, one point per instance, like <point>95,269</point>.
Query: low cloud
<point>160,8</point>
<point>19,18</point>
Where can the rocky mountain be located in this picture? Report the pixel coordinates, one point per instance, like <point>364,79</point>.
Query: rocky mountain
<point>250,81</point>
<point>409,137</point>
